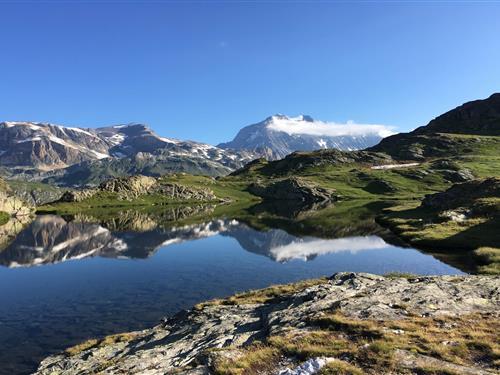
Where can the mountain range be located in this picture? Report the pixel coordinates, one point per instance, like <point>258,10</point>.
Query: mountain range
<point>69,155</point>
<point>72,156</point>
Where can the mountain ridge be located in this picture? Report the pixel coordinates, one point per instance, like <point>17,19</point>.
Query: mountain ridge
<point>474,118</point>
<point>49,152</point>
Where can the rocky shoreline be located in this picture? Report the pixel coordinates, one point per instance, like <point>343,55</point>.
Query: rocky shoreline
<point>277,325</point>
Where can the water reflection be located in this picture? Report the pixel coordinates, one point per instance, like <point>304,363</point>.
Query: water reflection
<point>53,239</point>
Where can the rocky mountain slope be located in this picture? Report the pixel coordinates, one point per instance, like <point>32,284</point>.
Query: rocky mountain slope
<point>350,323</point>
<point>480,117</point>
<point>40,151</point>
<point>279,135</point>
<point>454,132</point>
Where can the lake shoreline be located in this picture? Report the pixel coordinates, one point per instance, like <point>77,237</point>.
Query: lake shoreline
<point>358,309</point>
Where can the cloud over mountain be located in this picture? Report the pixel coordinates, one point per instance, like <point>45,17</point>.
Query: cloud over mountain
<point>305,125</point>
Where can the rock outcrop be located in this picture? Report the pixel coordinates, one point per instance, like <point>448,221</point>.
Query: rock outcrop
<point>191,341</point>
<point>464,194</point>
<point>129,188</point>
<point>11,204</point>
<point>293,189</point>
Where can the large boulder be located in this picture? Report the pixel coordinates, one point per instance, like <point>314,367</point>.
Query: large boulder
<point>292,189</point>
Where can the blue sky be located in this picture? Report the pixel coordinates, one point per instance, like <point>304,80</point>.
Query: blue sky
<point>202,70</point>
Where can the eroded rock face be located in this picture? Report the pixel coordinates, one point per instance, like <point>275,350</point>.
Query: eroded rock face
<point>181,341</point>
<point>293,189</point>
<point>10,203</point>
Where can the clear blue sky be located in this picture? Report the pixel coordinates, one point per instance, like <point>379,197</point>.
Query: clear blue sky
<point>202,70</point>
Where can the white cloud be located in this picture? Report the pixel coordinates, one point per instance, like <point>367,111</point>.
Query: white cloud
<point>296,125</point>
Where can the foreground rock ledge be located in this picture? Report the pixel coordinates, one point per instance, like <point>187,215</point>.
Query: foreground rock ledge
<point>180,343</point>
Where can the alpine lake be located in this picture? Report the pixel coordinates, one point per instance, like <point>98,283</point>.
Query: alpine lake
<point>65,279</point>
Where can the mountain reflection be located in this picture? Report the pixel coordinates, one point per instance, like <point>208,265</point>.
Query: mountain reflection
<point>52,239</point>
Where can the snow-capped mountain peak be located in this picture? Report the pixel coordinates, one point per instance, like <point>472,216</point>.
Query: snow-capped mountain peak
<point>280,135</point>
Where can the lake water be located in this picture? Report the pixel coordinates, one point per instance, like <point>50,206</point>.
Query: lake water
<point>64,280</point>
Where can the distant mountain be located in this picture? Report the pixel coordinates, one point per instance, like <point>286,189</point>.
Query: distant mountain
<point>39,146</point>
<point>70,155</point>
<point>279,135</point>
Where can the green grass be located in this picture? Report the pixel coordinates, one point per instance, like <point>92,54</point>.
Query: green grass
<point>109,200</point>
<point>29,185</point>
<point>103,201</point>
<point>4,217</point>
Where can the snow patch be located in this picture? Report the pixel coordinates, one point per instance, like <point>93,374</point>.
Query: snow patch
<point>10,124</point>
<point>322,143</point>
<point>392,166</point>
<point>310,367</point>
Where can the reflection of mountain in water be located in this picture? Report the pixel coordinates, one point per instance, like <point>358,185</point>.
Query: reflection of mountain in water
<point>281,246</point>
<point>52,239</point>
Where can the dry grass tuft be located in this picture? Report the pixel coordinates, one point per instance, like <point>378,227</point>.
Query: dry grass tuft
<point>267,295</point>
<point>92,343</point>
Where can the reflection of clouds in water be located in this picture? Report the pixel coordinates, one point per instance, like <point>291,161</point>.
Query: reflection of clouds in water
<point>306,248</point>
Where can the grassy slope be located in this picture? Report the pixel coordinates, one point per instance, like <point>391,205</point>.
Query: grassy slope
<point>355,180</point>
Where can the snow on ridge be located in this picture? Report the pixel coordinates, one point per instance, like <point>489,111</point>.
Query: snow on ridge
<point>169,140</point>
<point>322,143</point>
<point>31,125</point>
